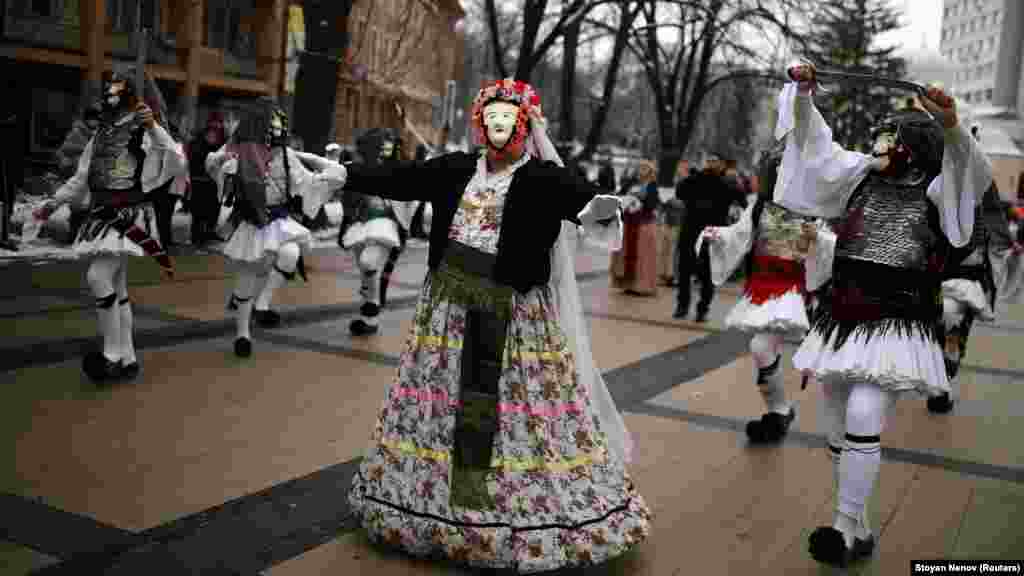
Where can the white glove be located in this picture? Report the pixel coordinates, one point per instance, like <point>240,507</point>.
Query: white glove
<point>600,207</point>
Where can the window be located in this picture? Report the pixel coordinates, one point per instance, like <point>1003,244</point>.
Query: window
<point>988,94</point>
<point>230,27</point>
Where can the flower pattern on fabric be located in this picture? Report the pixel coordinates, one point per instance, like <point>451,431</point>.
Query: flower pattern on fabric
<point>562,498</point>
<point>478,218</point>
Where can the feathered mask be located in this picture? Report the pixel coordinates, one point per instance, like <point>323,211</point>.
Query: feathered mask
<point>513,92</point>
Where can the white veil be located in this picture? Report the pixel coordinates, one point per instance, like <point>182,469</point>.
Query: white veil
<point>570,313</point>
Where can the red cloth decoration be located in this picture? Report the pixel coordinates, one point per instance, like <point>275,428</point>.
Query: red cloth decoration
<point>772,277</point>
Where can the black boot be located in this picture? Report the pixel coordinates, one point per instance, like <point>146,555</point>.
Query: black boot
<point>771,428</point>
<point>702,314</point>
<point>828,547</point>
<point>243,347</point>
<point>99,369</point>
<point>267,318</point>
<point>360,327</point>
<point>941,404</point>
<point>130,371</point>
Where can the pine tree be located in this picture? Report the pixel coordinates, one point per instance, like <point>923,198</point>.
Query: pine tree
<point>843,38</point>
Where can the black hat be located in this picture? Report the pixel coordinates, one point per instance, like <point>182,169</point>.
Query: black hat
<point>921,134</point>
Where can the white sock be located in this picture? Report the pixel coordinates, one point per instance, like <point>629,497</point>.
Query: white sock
<point>765,348</point>
<point>109,316</point>
<point>124,305</point>
<point>274,281</point>
<point>861,460</point>
<point>101,277</point>
<point>280,272</point>
<point>245,285</point>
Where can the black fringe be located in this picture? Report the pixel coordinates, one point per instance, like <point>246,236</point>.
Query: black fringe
<point>825,324</point>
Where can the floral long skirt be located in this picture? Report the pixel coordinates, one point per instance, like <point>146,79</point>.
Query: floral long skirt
<point>559,496</point>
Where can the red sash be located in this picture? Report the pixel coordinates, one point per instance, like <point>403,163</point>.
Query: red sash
<point>149,245</point>
<point>772,277</point>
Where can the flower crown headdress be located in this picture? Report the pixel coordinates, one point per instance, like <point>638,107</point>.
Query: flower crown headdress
<point>514,92</point>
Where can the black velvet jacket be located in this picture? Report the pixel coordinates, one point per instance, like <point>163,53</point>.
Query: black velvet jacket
<point>541,196</point>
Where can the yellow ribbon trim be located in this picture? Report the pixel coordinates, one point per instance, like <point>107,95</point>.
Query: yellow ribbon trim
<point>507,464</point>
<point>456,344</point>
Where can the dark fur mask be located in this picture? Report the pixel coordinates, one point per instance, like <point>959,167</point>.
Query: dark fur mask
<point>918,146</point>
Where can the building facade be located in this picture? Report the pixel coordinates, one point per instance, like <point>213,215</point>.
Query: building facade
<point>984,39</point>
<point>403,51</point>
<point>205,54</point>
<point>53,54</point>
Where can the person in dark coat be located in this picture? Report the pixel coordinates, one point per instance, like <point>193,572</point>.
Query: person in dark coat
<point>204,201</point>
<point>707,196</point>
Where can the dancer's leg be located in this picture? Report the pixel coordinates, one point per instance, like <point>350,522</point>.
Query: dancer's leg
<point>766,350</point>
<point>957,318</point>
<point>127,323</point>
<point>246,283</point>
<point>281,271</point>
<point>849,537</point>
<point>372,259</point>
<point>101,279</point>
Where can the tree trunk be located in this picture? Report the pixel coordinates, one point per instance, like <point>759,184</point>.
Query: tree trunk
<point>567,114</point>
<point>492,25</point>
<point>600,118</point>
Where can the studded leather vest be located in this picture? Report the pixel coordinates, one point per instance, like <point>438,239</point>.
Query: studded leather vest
<point>893,225</point>
<point>780,233</point>
<point>115,170</point>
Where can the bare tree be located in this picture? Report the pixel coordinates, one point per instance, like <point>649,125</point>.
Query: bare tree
<point>628,12</point>
<point>540,30</point>
<point>734,34</point>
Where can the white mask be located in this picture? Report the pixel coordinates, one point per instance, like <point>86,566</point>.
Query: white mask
<point>500,122</point>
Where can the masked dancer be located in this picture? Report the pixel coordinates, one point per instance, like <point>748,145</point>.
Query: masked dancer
<point>499,446</point>
<point>776,246</point>
<point>129,156</point>
<point>970,289</point>
<point>273,189</point>
<point>377,233</point>
<point>876,333</point>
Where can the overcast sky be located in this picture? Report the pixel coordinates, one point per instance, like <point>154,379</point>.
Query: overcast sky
<point>923,19</point>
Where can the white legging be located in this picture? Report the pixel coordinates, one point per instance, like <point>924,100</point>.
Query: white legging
<point>371,259</point>
<point>766,348</point>
<point>107,277</point>
<point>250,277</point>
<point>855,412</point>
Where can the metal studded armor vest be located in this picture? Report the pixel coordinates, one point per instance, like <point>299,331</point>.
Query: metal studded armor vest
<point>889,258</point>
<point>115,170</point>
<point>892,225</point>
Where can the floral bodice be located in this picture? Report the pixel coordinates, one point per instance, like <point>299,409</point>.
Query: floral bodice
<point>780,233</point>
<point>477,220</point>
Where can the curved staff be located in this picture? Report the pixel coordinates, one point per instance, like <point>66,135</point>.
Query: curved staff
<point>877,332</point>
<point>778,248</point>
<point>497,399</point>
<point>273,189</point>
<point>128,158</point>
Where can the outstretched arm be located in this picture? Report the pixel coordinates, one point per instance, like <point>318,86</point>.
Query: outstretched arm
<point>966,172</point>
<point>817,175</point>
<point>405,181</point>
<point>728,245</point>
<point>74,189</point>
<point>315,188</point>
